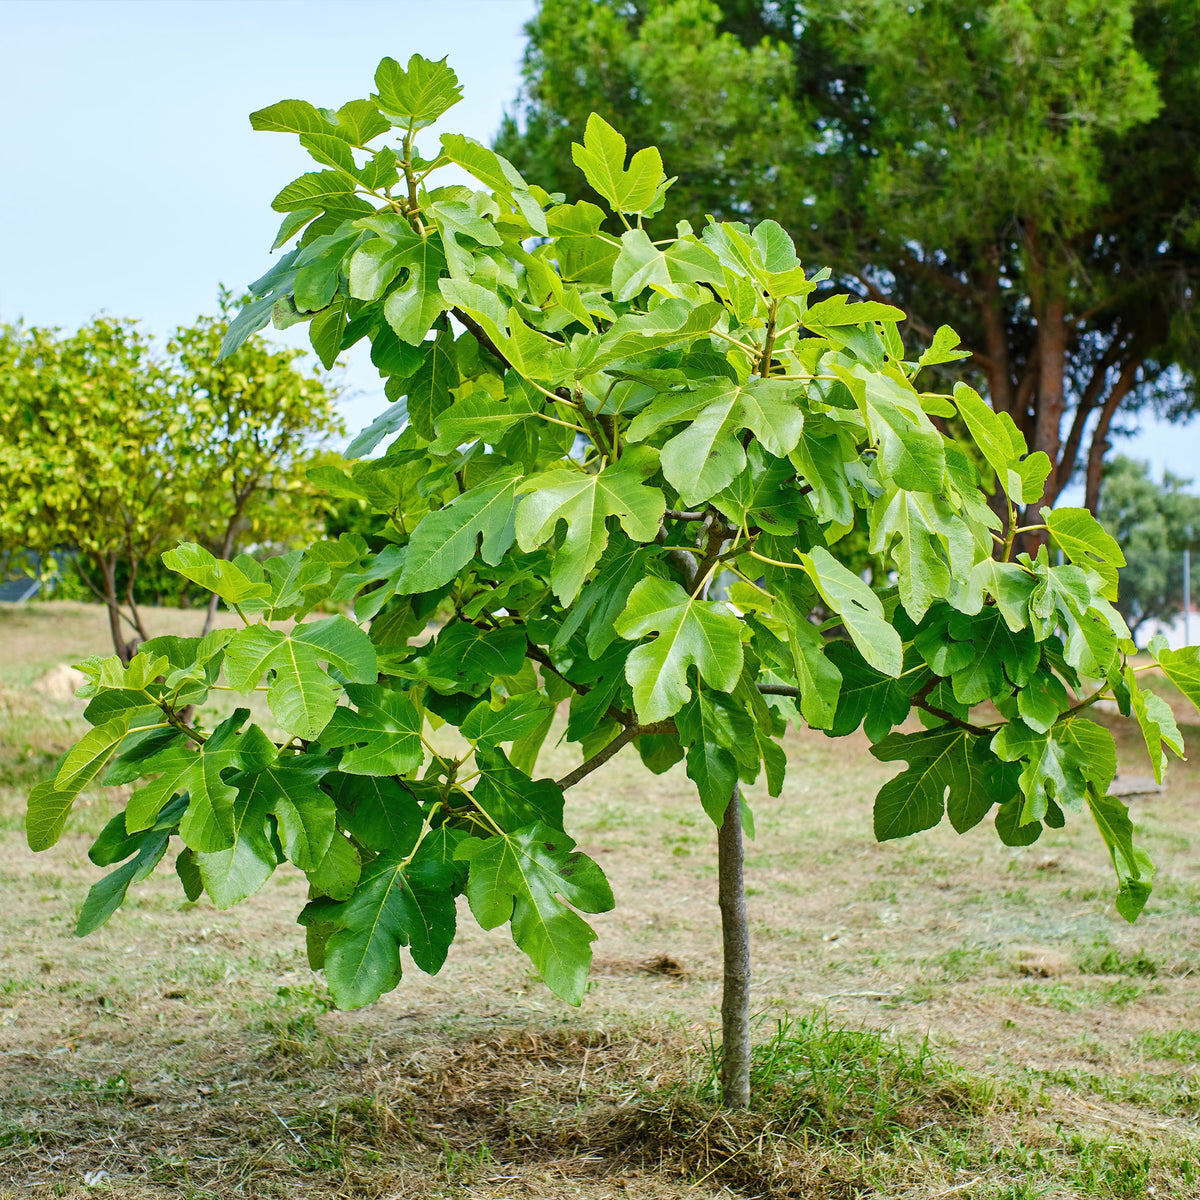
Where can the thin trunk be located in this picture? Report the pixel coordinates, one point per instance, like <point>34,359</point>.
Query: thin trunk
<point>1051,398</point>
<point>1023,412</point>
<point>995,339</point>
<point>735,939</point>
<point>1100,443</point>
<point>108,573</point>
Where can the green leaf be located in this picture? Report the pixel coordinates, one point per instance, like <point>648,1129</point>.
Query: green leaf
<point>1003,446</point>
<point>510,797</point>
<point>232,874</point>
<point>468,658</point>
<point>88,757</point>
<point>416,97</point>
<point>948,768</point>
<point>867,697</point>
<point>817,677</point>
<point>820,456</point>
<point>302,696</point>
<point>412,308</point>
<point>214,575</point>
<point>690,632</point>
<point>396,903</point>
<point>483,417</point>
<point>385,732</point>
<point>326,329</point>
<point>1156,721</point>
<point>1010,827</point>
<point>376,263</point>
<point>640,265</point>
<point>707,454</point>
<point>48,812</point>
<point>520,877</point>
<point>108,894</point>
<point>208,824</point>
<point>287,787</point>
<point>711,730</point>
<point>601,158</point>
<point>1182,668</point>
<point>998,653</point>
<point>377,810</point>
<point>445,540</point>
<point>942,349</point>
<point>513,719</point>
<point>1084,541</point>
<point>911,451</point>
<point>338,872</point>
<point>860,609</point>
<point>585,502</point>
<point>1077,758</point>
<point>605,597</point>
<point>838,311</point>
<point>1134,870</point>
<point>933,545</point>
<point>429,389</point>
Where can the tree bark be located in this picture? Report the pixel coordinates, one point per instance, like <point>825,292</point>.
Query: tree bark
<point>1051,400</point>
<point>735,940</point>
<point>108,572</point>
<point>1100,443</point>
<point>995,338</point>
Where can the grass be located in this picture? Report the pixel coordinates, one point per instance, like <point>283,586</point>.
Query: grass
<point>940,1017</point>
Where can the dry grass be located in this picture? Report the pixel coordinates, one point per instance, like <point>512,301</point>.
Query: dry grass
<point>183,1051</point>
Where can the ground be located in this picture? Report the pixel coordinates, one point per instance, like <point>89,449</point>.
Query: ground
<point>937,1017</point>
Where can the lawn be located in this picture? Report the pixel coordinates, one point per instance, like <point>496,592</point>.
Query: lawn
<point>938,1017</point>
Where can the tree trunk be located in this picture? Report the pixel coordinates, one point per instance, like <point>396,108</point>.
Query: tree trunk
<point>1100,443</point>
<point>108,573</point>
<point>735,939</point>
<point>1051,400</point>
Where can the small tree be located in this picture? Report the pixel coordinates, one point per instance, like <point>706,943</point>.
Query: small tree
<point>585,430</point>
<point>1154,523</point>
<point>112,450</point>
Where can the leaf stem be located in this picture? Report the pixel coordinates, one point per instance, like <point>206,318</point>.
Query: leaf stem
<point>774,562</point>
<point>752,351</point>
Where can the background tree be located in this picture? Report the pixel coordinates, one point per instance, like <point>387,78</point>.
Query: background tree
<point>1154,522</point>
<point>585,430</point>
<point>259,423</point>
<point>1027,173</point>
<point>112,450</point>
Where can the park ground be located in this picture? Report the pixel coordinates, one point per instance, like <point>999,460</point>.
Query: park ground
<point>938,1017</point>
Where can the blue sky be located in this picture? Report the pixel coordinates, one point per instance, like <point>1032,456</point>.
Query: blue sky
<point>133,185</point>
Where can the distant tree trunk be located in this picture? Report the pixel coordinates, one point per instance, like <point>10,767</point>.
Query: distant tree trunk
<point>1100,443</point>
<point>108,574</point>
<point>735,938</point>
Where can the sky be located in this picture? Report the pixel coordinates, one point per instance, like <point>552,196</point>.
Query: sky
<point>132,184</point>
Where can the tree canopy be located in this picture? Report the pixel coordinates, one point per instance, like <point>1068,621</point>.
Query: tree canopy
<point>1027,173</point>
<point>1154,522</point>
<point>114,450</point>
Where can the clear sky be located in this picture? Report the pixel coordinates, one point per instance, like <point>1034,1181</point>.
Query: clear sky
<point>132,184</point>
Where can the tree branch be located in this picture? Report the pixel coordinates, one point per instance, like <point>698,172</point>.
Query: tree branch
<point>476,331</point>
<point>614,747</point>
